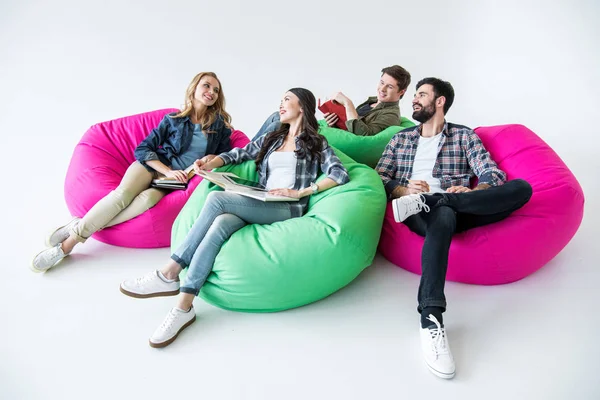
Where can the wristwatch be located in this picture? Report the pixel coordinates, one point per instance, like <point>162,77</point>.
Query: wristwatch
<point>314,187</point>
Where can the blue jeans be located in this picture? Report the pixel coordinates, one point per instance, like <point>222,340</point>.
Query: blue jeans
<point>223,214</point>
<point>457,212</point>
<point>271,124</point>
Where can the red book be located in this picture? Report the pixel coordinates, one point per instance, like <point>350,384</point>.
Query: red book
<point>331,106</point>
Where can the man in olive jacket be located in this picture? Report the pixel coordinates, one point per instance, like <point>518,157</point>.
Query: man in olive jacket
<point>378,112</point>
<point>371,117</point>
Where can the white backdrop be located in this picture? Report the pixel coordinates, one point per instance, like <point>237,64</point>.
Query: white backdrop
<point>66,65</point>
<point>73,63</point>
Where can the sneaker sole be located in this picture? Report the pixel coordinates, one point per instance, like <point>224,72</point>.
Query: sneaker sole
<point>396,217</point>
<point>441,374</point>
<point>149,295</point>
<point>168,342</point>
<point>49,243</point>
<point>37,271</point>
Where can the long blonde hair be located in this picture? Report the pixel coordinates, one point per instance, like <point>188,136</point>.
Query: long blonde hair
<point>210,116</point>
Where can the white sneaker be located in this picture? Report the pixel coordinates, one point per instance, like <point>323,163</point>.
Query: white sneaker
<point>436,350</point>
<point>149,285</point>
<point>60,234</point>
<point>408,205</point>
<point>46,259</point>
<point>175,321</point>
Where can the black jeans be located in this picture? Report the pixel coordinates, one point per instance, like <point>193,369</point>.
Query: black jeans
<point>457,212</point>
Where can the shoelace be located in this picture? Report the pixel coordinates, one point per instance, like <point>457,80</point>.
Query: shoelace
<point>144,279</point>
<point>51,255</point>
<point>417,204</point>
<point>168,322</point>
<point>438,336</point>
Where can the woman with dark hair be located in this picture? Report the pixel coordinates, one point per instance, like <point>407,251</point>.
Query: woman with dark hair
<point>288,162</point>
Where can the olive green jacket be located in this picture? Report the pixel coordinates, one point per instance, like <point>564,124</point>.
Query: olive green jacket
<point>380,117</point>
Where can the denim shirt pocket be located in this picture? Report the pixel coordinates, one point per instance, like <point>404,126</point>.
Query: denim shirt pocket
<point>180,137</point>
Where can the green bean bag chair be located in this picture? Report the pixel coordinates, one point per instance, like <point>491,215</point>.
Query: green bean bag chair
<point>265,268</point>
<point>364,149</point>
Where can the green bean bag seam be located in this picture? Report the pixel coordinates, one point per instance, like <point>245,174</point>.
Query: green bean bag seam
<point>363,149</point>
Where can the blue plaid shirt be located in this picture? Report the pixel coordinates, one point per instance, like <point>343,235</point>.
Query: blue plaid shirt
<point>461,156</point>
<point>307,169</point>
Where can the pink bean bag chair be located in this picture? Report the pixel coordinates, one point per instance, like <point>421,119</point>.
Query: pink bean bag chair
<point>519,245</point>
<point>99,162</point>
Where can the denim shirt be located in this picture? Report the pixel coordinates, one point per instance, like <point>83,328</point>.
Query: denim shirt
<point>173,137</point>
<point>307,169</point>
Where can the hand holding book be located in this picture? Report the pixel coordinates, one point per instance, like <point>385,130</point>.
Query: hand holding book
<point>291,193</point>
<point>174,179</point>
<point>233,183</point>
<point>207,163</point>
<point>332,107</point>
<point>177,175</point>
<point>331,119</point>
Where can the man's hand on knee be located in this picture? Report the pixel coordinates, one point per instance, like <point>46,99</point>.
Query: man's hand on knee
<point>458,189</point>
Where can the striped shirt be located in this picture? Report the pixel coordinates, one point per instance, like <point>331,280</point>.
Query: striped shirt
<point>461,156</point>
<point>307,169</point>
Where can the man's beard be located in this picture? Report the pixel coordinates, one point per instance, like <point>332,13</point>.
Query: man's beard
<point>424,114</point>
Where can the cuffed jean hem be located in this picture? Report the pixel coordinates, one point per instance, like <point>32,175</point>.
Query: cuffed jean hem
<point>189,290</point>
<point>431,303</point>
<point>76,237</point>
<point>179,261</point>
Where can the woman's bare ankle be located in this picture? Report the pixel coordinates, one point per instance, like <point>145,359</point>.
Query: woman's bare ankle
<point>68,245</point>
<point>170,276</point>
<point>171,271</point>
<point>185,301</point>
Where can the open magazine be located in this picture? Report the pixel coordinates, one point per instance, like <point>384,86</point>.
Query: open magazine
<point>235,184</point>
<point>173,184</point>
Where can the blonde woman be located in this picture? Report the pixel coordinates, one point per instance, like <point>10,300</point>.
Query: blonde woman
<point>199,131</point>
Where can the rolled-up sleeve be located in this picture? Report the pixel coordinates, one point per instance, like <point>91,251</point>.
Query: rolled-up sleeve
<point>481,162</point>
<point>387,166</point>
<point>146,150</point>
<point>371,125</point>
<point>239,155</point>
<point>333,167</point>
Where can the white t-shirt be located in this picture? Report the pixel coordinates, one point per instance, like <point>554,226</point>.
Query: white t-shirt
<point>282,170</point>
<point>427,151</point>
